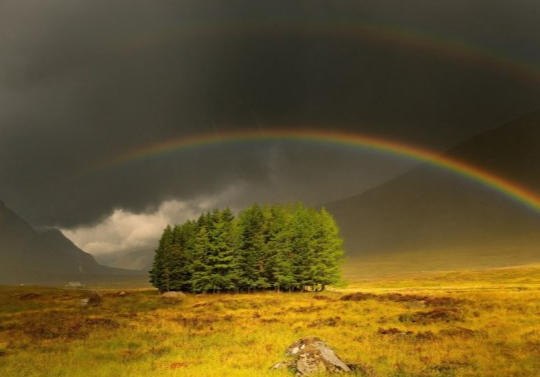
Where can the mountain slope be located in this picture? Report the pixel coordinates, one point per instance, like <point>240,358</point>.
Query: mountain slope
<point>31,256</point>
<point>428,209</point>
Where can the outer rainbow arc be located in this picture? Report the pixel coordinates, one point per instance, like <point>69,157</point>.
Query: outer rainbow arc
<point>503,186</point>
<point>525,72</point>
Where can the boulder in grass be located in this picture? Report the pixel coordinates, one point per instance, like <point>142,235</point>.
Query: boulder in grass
<point>93,299</point>
<point>173,296</point>
<point>312,356</point>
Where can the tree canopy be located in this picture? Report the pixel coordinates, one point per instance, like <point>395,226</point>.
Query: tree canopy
<point>279,247</point>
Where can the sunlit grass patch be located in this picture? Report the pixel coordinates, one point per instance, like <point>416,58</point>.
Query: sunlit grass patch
<point>476,330</point>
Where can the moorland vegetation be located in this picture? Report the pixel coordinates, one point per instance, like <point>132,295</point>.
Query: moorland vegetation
<point>473,324</point>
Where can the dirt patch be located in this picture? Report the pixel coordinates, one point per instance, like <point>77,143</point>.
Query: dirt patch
<point>425,335</point>
<point>270,320</point>
<point>129,315</point>
<point>358,296</point>
<point>101,322</point>
<point>398,297</point>
<point>178,365</point>
<point>393,331</point>
<point>444,301</point>
<point>197,323</point>
<point>229,304</point>
<point>306,309</point>
<point>449,367</point>
<point>326,322</point>
<point>60,325</point>
<point>431,301</point>
<point>459,332</point>
<point>29,296</point>
<point>216,304</point>
<point>323,298</point>
<point>432,316</point>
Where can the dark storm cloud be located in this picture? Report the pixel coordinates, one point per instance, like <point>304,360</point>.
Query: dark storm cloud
<point>82,81</point>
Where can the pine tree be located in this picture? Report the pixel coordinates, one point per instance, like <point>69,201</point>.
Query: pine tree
<point>200,281</point>
<point>302,242</point>
<point>225,265</point>
<point>328,251</point>
<point>252,249</point>
<point>221,250</point>
<point>280,264</point>
<point>179,259</point>
<point>160,274</point>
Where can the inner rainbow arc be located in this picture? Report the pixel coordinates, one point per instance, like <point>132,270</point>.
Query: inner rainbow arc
<point>461,168</point>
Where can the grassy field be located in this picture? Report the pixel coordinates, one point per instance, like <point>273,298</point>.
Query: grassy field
<point>468,323</point>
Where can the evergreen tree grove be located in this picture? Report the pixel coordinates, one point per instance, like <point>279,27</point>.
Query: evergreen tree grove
<point>278,247</point>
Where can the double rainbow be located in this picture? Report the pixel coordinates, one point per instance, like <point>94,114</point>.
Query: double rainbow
<point>386,35</point>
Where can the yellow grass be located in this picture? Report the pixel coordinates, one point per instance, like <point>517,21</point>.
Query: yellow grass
<point>483,323</point>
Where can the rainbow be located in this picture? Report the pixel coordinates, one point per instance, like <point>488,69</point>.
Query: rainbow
<point>460,168</point>
<point>430,44</point>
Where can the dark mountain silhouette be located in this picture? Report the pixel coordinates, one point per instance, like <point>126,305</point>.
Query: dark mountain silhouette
<point>28,255</point>
<point>429,209</point>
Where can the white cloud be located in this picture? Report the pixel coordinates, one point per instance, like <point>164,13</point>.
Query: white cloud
<point>123,231</point>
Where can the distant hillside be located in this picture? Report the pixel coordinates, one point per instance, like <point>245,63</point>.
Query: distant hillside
<point>428,209</point>
<point>136,260</point>
<point>31,256</point>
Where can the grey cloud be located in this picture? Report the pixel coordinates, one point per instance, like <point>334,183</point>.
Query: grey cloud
<point>83,81</point>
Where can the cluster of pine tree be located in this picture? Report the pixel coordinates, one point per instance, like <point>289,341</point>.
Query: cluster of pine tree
<point>279,247</point>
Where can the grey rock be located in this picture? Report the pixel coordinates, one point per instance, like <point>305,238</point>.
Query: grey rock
<point>283,365</point>
<point>93,299</point>
<point>312,356</point>
<point>173,296</point>
<point>84,301</point>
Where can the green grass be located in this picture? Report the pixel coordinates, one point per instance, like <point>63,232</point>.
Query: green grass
<point>455,324</point>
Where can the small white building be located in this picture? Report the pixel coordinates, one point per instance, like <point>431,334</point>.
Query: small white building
<point>75,284</point>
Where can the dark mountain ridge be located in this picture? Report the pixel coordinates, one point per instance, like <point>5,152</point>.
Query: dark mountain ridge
<point>30,256</point>
<point>429,209</point>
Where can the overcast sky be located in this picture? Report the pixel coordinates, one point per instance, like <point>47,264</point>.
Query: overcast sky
<point>84,81</point>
